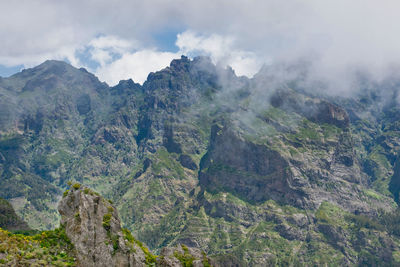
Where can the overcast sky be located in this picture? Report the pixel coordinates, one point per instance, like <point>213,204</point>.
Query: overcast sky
<point>128,39</point>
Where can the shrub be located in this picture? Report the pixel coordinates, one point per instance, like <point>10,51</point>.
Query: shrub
<point>107,221</point>
<point>76,186</point>
<point>186,258</point>
<point>115,242</point>
<point>65,193</point>
<point>362,221</point>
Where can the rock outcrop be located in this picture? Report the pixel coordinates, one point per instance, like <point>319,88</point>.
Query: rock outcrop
<point>250,171</point>
<point>92,224</point>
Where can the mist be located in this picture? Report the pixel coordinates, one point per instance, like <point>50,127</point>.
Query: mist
<point>339,38</point>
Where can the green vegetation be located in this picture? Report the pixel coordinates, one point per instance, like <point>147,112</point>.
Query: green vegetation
<point>186,258</point>
<point>46,248</point>
<point>307,131</point>
<point>391,221</point>
<point>118,147</point>
<point>107,221</point>
<point>330,131</point>
<point>362,221</point>
<point>65,193</point>
<point>150,258</point>
<point>167,164</point>
<point>330,214</point>
<point>115,242</point>
<point>372,194</point>
<point>76,186</point>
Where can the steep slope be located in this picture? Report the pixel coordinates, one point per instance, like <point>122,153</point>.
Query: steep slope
<point>8,219</point>
<point>53,108</point>
<point>254,171</point>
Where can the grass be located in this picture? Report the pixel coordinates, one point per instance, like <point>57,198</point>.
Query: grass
<point>372,194</point>
<point>330,214</point>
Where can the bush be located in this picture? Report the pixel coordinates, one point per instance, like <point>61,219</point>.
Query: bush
<point>362,221</point>
<point>76,186</point>
<point>107,221</point>
<point>186,259</point>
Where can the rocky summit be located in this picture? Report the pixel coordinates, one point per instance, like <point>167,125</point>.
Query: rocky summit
<point>268,171</point>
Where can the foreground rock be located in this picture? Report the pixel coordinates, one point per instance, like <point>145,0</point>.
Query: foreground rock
<point>94,228</point>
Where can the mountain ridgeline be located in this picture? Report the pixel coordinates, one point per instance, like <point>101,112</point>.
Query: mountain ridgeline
<point>255,172</point>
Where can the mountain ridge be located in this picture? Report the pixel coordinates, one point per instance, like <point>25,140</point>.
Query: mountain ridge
<point>253,171</point>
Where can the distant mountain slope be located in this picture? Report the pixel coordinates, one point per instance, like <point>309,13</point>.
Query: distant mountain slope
<point>8,219</point>
<point>258,171</point>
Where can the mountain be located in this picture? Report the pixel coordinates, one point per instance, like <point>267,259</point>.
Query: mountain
<point>263,171</point>
<point>90,234</point>
<point>9,220</point>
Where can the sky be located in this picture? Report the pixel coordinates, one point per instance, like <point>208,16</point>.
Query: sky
<point>128,39</point>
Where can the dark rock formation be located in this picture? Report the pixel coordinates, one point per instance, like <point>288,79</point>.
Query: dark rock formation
<point>314,109</point>
<point>252,172</point>
<point>187,162</point>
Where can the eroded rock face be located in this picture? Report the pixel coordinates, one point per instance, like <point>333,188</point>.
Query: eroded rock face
<point>251,171</point>
<point>314,109</point>
<point>93,226</point>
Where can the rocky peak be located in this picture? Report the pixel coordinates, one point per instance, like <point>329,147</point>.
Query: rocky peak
<point>126,86</point>
<point>180,64</point>
<point>93,226</point>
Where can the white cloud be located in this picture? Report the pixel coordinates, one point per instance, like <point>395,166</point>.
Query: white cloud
<point>221,49</point>
<point>136,62</point>
<point>135,65</point>
<point>340,34</point>
<point>104,48</point>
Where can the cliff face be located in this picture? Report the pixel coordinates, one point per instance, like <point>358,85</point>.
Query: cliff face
<point>253,171</point>
<point>93,226</point>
